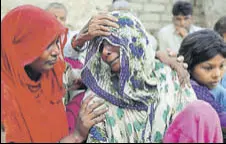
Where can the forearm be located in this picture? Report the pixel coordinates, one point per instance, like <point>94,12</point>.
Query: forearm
<point>163,57</point>
<point>78,42</point>
<point>80,39</point>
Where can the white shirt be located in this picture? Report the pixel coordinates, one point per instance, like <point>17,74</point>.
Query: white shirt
<point>168,38</point>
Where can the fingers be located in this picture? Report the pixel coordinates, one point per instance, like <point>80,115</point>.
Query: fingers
<point>99,25</point>
<point>180,59</point>
<point>93,106</point>
<point>108,23</point>
<point>105,16</point>
<point>185,81</point>
<point>100,33</point>
<point>98,113</point>
<point>185,65</point>
<point>98,119</point>
<point>103,28</point>
<point>171,53</point>
<point>184,78</point>
<point>96,26</point>
<point>105,20</point>
<point>86,102</point>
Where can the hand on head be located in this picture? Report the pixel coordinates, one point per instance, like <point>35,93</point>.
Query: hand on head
<point>98,25</point>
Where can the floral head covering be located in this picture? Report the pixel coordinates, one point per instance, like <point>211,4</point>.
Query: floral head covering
<point>135,81</point>
<point>144,97</point>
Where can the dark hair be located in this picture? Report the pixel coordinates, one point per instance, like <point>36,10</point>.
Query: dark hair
<point>201,46</point>
<point>182,8</point>
<point>220,26</point>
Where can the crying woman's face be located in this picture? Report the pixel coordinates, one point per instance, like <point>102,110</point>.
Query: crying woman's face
<point>111,55</point>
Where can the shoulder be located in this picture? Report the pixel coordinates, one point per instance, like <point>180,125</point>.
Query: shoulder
<point>166,30</point>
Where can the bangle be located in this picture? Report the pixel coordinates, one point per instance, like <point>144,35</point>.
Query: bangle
<point>74,45</point>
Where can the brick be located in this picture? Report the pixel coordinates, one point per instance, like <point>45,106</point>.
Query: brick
<point>152,25</point>
<point>138,1</point>
<point>136,6</point>
<point>169,9</point>
<point>161,1</point>
<point>154,7</point>
<point>149,17</point>
<point>165,17</point>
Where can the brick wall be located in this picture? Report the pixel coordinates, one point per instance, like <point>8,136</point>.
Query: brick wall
<point>79,11</point>
<point>153,13</point>
<point>157,13</point>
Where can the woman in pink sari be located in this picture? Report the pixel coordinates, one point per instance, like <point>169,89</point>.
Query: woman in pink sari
<point>198,122</point>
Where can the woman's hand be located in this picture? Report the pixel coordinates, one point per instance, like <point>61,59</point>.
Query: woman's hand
<point>97,26</point>
<point>89,115</point>
<point>176,63</point>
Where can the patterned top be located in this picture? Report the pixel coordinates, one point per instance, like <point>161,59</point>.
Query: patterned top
<point>144,97</point>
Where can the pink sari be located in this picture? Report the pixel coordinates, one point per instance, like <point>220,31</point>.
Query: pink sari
<point>198,122</point>
<point>73,106</point>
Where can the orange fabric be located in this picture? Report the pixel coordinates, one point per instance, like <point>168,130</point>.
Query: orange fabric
<point>31,111</point>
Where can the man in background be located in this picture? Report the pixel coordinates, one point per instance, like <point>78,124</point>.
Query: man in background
<point>171,36</point>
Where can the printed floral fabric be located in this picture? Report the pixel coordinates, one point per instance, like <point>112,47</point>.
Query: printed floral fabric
<point>144,97</point>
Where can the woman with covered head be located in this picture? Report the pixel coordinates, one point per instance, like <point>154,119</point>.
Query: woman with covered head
<point>205,52</point>
<point>31,84</point>
<point>142,94</point>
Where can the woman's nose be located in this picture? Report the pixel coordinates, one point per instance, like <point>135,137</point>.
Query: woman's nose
<point>217,73</point>
<point>55,51</point>
<point>105,53</point>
